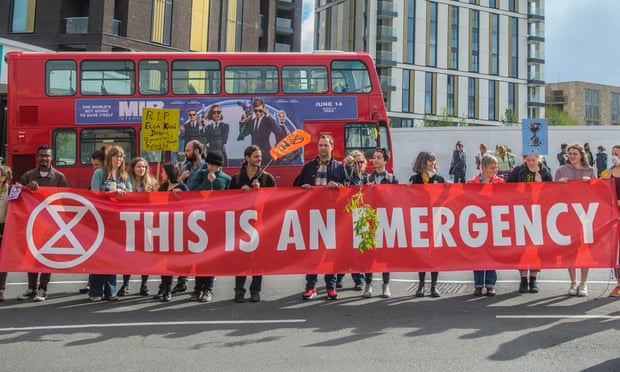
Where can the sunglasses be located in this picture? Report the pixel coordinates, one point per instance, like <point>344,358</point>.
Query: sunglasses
<point>259,110</point>
<point>217,112</point>
<point>192,114</point>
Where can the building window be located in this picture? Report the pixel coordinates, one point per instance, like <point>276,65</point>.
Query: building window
<point>410,31</point>
<point>512,5</point>
<point>511,96</point>
<point>471,98</point>
<point>475,40</point>
<point>492,101</point>
<point>454,38</point>
<point>615,106</point>
<point>199,28</point>
<point>161,24</point>
<point>493,4</point>
<point>514,47</point>
<point>22,17</point>
<point>432,36</point>
<point>451,102</point>
<point>592,106</point>
<point>494,44</point>
<point>428,93</point>
<point>406,90</point>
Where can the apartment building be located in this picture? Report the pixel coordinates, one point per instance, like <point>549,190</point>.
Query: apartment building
<point>587,103</point>
<point>474,62</point>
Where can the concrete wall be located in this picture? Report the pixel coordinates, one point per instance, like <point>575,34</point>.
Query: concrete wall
<point>408,142</point>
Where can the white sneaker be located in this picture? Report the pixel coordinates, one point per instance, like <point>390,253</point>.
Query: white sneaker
<point>572,291</point>
<point>367,290</point>
<point>40,296</point>
<point>583,290</point>
<point>386,291</point>
<point>28,295</point>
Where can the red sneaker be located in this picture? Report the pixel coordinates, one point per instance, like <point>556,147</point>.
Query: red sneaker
<point>309,294</point>
<point>331,294</point>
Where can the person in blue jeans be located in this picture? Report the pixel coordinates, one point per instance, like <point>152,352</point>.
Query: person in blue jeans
<point>488,174</point>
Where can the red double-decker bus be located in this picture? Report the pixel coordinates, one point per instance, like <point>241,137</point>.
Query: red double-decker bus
<point>77,102</point>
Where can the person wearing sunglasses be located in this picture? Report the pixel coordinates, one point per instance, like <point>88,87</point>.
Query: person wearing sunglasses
<point>217,131</point>
<point>262,128</point>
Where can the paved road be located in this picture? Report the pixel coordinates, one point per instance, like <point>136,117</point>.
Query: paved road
<point>547,331</point>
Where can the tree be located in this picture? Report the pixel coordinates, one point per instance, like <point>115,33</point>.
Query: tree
<point>510,118</point>
<point>555,116</point>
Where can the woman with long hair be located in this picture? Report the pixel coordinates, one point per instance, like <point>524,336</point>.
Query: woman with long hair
<point>110,179</point>
<point>576,168</point>
<point>141,180</point>
<point>170,183</point>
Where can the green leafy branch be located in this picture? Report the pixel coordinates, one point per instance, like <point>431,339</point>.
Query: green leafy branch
<point>367,222</point>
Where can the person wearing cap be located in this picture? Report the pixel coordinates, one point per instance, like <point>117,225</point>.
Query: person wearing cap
<point>210,178</point>
<point>458,165</point>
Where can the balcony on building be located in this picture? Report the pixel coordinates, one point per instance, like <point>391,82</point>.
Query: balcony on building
<point>536,35</point>
<point>284,26</point>
<point>536,78</point>
<point>385,58</point>
<point>79,25</point>
<point>535,12</point>
<point>388,83</point>
<point>556,97</point>
<point>536,57</point>
<point>386,34</point>
<point>386,9</point>
<point>536,100</point>
<point>282,47</point>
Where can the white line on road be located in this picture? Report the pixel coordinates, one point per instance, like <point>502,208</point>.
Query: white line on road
<point>150,324</point>
<point>558,316</point>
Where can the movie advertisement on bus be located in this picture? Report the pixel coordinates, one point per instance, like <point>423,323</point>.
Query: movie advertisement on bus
<point>226,125</point>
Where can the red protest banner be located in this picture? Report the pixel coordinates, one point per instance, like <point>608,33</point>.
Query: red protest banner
<point>292,231</point>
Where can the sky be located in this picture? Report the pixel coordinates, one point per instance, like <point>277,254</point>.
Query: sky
<point>580,40</point>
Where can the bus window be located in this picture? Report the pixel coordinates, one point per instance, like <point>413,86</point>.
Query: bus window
<point>196,77</point>
<point>64,144</point>
<point>362,137</point>
<point>251,79</point>
<point>60,78</point>
<point>304,79</point>
<point>350,77</point>
<point>93,139</point>
<point>108,78</point>
<point>153,77</point>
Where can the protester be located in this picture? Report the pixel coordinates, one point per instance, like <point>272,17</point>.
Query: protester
<point>614,173</point>
<point>561,156</point>
<point>322,171</point>
<point>170,178</point>
<point>6,174</point>
<point>458,165</point>
<point>505,161</point>
<point>379,176</point>
<point>141,181</point>
<point>488,174</point>
<point>531,170</point>
<point>43,175</point>
<point>589,156</point>
<point>425,170</point>
<point>211,178</point>
<point>112,179</point>
<point>576,168</point>
<point>355,170</point>
<point>601,160</point>
<point>250,177</point>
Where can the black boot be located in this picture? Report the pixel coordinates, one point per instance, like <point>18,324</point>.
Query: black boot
<point>523,286</point>
<point>420,291</point>
<point>167,295</point>
<point>160,293</point>
<point>533,286</point>
<point>434,291</point>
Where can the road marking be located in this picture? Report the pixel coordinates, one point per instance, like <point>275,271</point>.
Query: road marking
<point>557,316</point>
<point>150,324</point>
